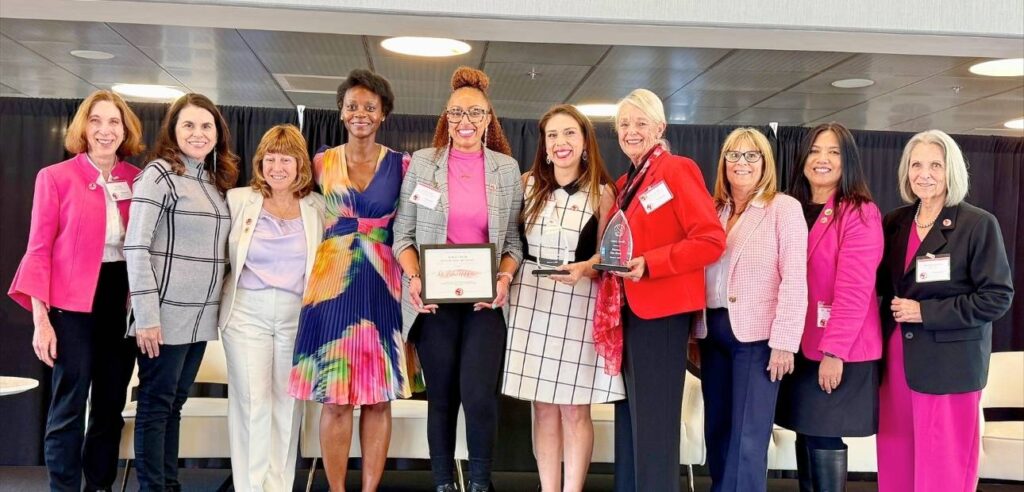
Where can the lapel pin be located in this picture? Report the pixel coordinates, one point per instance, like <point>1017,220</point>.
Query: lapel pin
<point>248,221</point>
<point>947,223</point>
<point>92,186</point>
<point>824,220</point>
<point>574,208</point>
<point>828,211</point>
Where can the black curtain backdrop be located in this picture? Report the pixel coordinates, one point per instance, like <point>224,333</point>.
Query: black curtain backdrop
<point>31,136</point>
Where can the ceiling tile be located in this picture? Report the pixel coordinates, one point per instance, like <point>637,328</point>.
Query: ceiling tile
<point>60,31</point>
<point>720,79</point>
<point>799,100</point>
<point>763,116</point>
<point>822,83</point>
<point>609,84</point>
<point>718,99</point>
<point>307,53</point>
<point>780,61</point>
<point>512,81</point>
<point>678,59</point>
<point>544,53</point>
<point>698,116</point>
<point>870,65</point>
<point>313,100</point>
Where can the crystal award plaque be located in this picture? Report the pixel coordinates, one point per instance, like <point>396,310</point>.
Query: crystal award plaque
<point>616,245</point>
<point>554,252</point>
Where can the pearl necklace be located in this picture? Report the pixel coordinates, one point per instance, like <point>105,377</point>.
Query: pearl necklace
<point>917,214</point>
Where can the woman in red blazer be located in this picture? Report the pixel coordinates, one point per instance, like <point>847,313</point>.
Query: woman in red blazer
<point>675,234</point>
<point>834,390</point>
<point>73,279</point>
<point>756,299</point>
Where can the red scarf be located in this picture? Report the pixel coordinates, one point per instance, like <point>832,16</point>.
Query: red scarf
<point>608,308</point>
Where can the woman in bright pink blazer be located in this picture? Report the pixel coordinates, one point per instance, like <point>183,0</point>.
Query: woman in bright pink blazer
<point>74,280</point>
<point>834,390</point>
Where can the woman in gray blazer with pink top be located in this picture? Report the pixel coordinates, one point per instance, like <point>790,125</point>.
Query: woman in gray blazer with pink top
<point>465,190</point>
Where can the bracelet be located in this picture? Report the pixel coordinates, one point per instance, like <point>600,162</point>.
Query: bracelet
<point>410,277</point>
<point>829,354</point>
<point>504,274</point>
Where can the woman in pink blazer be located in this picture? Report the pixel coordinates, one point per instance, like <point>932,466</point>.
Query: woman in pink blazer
<point>73,279</point>
<point>834,390</point>
<point>756,299</point>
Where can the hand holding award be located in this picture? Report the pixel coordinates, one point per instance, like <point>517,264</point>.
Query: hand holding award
<point>616,245</point>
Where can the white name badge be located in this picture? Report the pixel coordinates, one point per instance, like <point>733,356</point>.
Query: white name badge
<point>655,197</point>
<point>824,313</point>
<point>426,196</point>
<point>119,190</point>
<point>932,268</point>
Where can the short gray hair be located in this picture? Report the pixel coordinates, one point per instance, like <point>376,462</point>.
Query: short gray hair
<point>957,179</point>
<point>649,104</point>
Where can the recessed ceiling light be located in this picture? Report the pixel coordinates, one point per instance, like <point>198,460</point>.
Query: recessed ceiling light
<point>598,110</point>
<point>91,54</point>
<point>1010,67</point>
<point>853,83</point>
<point>1017,124</point>
<point>433,47</point>
<point>147,91</point>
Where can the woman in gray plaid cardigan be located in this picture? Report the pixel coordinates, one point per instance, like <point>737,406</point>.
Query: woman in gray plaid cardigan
<point>176,247</point>
<point>478,195</point>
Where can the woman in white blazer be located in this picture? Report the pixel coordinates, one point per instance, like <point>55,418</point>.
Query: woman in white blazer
<point>276,226</point>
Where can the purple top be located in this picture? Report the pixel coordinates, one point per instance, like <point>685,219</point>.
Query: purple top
<point>467,198</point>
<point>276,258</point>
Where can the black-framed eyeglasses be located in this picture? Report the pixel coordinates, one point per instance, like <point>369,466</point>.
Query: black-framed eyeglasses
<point>750,156</point>
<point>476,115</point>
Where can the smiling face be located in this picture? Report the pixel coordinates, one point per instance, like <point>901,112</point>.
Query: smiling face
<point>824,165</point>
<point>638,133</point>
<point>361,112</point>
<point>564,141</point>
<point>467,136</point>
<point>927,172</point>
<point>743,175</point>
<point>279,171</point>
<point>195,132</point>
<point>105,130</point>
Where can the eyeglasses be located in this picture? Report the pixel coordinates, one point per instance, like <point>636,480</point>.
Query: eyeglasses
<point>476,115</point>
<point>750,156</point>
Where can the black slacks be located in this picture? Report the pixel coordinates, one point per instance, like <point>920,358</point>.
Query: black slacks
<point>647,423</point>
<point>461,352</point>
<point>92,352</point>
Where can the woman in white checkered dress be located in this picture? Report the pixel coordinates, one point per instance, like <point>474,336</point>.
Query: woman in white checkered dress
<point>550,357</point>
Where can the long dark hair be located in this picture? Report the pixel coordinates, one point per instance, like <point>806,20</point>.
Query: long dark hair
<point>853,188</point>
<point>225,173</point>
<point>592,171</point>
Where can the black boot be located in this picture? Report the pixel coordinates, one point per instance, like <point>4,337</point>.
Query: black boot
<point>828,469</point>
<point>480,487</point>
<point>448,487</point>
<point>803,465</point>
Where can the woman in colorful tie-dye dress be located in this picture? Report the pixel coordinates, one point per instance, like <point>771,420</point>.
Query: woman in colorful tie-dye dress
<point>350,350</point>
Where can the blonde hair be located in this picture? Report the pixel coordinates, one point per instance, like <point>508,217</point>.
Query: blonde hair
<point>286,140</point>
<point>75,140</point>
<point>957,179</point>
<point>649,104</point>
<point>767,186</point>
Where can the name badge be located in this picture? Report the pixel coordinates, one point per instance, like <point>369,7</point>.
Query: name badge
<point>932,268</point>
<point>119,190</point>
<point>425,196</point>
<point>655,197</point>
<point>824,313</point>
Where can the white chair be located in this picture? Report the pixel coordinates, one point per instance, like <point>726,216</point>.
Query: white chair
<point>1002,443</point>
<point>204,421</point>
<point>691,442</point>
<point>408,435</point>
<point>782,452</point>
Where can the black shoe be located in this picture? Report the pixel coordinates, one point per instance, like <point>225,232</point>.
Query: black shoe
<point>478,487</point>
<point>803,465</point>
<point>828,469</point>
<point>448,487</point>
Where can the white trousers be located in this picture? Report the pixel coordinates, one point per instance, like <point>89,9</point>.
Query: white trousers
<point>263,419</point>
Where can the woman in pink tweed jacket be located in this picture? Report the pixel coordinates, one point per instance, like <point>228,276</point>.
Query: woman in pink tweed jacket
<point>756,300</point>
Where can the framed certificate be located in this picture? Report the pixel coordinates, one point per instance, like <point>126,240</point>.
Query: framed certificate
<point>453,273</point>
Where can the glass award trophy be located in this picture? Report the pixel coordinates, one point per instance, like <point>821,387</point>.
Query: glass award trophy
<point>554,252</point>
<point>616,245</point>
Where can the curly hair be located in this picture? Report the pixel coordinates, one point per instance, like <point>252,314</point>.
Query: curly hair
<point>372,82</point>
<point>222,163</point>
<point>466,77</point>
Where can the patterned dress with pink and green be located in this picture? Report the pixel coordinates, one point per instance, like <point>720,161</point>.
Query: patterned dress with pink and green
<point>349,349</point>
